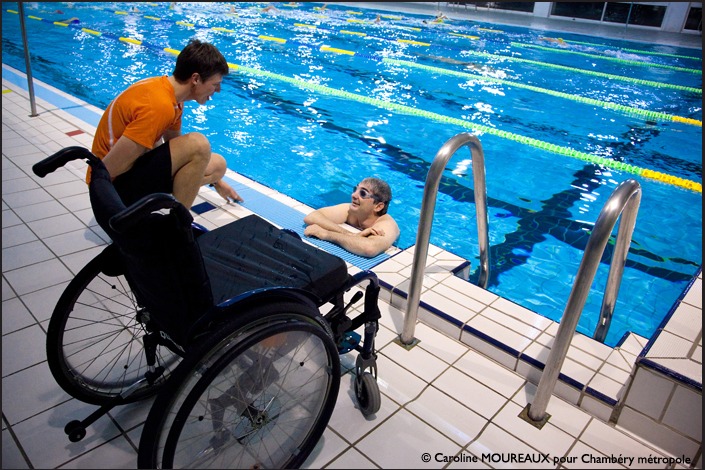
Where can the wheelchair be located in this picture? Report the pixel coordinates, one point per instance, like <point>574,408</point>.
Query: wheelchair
<point>237,332</point>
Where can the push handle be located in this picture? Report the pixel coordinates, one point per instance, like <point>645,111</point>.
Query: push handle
<point>61,158</point>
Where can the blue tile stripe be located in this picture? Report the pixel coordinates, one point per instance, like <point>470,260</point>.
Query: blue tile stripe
<point>287,217</point>
<point>75,108</point>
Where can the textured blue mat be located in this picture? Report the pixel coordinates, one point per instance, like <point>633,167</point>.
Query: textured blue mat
<point>287,217</point>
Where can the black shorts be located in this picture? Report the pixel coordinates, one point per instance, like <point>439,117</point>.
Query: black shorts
<point>150,174</point>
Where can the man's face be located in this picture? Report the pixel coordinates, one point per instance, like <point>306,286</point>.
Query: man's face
<point>204,90</point>
<point>363,198</point>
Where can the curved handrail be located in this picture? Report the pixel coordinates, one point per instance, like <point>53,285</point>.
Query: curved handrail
<point>625,198</point>
<point>426,221</point>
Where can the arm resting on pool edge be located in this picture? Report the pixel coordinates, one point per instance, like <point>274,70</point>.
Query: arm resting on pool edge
<point>369,242</point>
<point>329,217</point>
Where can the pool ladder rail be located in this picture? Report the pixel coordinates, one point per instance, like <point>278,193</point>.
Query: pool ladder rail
<point>428,207</point>
<point>624,201</point>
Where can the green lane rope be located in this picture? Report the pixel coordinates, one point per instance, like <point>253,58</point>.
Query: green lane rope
<point>519,44</point>
<point>591,72</point>
<point>614,59</point>
<point>654,115</point>
<point>603,104</point>
<point>482,54</point>
<point>544,64</point>
<point>636,51</point>
<point>566,151</point>
<point>477,127</point>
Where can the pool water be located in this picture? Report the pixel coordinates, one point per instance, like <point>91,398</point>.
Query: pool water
<point>390,94</point>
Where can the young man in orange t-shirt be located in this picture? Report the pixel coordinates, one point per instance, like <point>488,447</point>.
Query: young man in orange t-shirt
<point>129,135</point>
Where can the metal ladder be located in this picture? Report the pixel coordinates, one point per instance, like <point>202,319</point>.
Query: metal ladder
<point>624,201</point>
<point>426,221</point>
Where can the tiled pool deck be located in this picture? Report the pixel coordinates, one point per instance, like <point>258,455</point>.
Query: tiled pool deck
<point>458,392</point>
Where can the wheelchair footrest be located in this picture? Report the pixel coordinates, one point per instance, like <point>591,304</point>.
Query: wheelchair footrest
<point>349,342</point>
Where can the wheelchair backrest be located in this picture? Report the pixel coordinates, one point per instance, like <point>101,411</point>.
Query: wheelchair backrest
<point>163,262</point>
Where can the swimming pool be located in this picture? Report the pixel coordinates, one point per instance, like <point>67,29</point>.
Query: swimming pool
<point>385,102</point>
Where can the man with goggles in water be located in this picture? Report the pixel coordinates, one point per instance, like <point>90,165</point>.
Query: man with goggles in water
<point>366,212</point>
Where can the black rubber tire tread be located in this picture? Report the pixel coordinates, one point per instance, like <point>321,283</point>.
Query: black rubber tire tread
<point>367,394</point>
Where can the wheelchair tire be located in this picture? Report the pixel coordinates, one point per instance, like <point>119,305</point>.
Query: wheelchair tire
<point>367,394</point>
<point>94,340</point>
<point>258,393</point>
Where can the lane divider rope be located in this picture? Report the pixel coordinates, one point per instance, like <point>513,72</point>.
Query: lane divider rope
<point>636,51</point>
<point>614,59</point>
<point>655,115</point>
<point>590,101</point>
<point>534,62</point>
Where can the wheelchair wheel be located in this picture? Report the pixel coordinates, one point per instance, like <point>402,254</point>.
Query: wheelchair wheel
<point>367,394</point>
<point>257,394</point>
<point>94,340</point>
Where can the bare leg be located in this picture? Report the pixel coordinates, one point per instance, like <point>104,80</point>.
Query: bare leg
<point>215,169</point>
<point>190,154</point>
<point>214,173</point>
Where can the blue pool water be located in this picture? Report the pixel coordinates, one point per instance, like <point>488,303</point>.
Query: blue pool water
<point>391,93</point>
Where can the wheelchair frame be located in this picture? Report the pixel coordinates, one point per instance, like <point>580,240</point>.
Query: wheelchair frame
<point>253,383</point>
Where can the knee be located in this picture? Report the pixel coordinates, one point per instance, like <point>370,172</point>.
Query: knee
<point>198,146</point>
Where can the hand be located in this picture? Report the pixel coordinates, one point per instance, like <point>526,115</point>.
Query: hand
<point>371,231</point>
<point>314,230</point>
<point>227,192</point>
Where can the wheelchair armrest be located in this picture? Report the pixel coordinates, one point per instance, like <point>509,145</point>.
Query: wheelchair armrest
<point>144,207</point>
<point>61,158</point>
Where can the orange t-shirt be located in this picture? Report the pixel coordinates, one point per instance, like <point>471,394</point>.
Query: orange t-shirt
<point>143,112</point>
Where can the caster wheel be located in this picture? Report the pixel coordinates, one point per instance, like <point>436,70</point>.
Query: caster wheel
<point>367,394</point>
<point>75,431</point>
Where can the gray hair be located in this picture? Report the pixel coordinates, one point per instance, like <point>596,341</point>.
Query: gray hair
<point>381,191</point>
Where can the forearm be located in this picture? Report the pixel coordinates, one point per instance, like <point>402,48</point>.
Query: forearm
<point>316,218</point>
<point>363,246</point>
<point>122,156</point>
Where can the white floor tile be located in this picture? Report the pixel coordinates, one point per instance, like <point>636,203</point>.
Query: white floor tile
<point>16,235</point>
<point>10,219</point>
<point>610,441</point>
<point>37,276</point>
<point>495,445</point>
<point>447,415</point>
<point>59,224</point>
<point>351,458</point>
<point>15,316</point>
<point>473,394</point>
<point>412,438</point>
<point>44,440</point>
<point>326,450</point>
<point>40,210</point>
<point>487,372</point>
<point>11,455</point>
<point>420,362</point>
<point>41,303</point>
<point>117,453</point>
<point>23,255</point>
<point>22,349</point>
<point>396,382</point>
<point>348,421</point>
<point>549,439</point>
